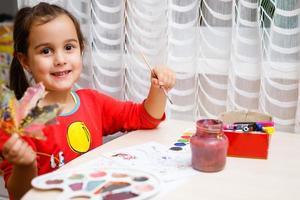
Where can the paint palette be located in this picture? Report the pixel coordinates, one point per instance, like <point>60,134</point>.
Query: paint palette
<point>183,142</point>
<point>100,184</point>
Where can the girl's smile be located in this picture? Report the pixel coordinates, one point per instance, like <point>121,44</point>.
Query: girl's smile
<point>61,74</point>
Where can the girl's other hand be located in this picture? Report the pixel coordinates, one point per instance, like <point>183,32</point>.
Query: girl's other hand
<point>17,151</point>
<point>163,76</point>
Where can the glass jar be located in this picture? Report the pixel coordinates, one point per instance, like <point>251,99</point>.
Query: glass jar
<point>209,146</point>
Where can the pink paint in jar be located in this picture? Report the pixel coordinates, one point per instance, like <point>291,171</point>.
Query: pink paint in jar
<point>209,146</point>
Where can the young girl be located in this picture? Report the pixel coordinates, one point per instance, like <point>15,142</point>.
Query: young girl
<point>48,44</point>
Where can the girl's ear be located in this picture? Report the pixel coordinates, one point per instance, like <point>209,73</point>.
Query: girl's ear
<point>22,58</point>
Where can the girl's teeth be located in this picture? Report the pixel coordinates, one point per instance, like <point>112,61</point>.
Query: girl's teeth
<point>60,73</point>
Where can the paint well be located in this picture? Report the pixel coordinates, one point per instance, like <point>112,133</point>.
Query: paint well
<point>54,182</point>
<point>76,186</point>
<point>76,176</point>
<point>120,196</point>
<point>183,140</point>
<point>119,175</point>
<point>187,134</point>
<point>142,188</point>
<point>186,137</point>
<point>176,148</point>
<point>114,186</point>
<point>179,144</point>
<point>98,174</point>
<point>140,178</point>
<point>91,185</point>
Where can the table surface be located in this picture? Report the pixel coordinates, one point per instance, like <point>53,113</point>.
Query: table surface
<point>278,177</point>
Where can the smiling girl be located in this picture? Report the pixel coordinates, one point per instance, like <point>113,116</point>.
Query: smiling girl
<point>48,45</point>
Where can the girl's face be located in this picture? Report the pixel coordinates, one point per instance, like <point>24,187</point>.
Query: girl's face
<point>54,55</point>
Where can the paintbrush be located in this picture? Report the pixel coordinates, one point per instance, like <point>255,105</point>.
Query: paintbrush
<point>155,76</point>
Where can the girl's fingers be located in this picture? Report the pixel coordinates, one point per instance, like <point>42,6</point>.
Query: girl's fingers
<point>9,144</point>
<point>26,156</point>
<point>167,80</point>
<point>14,153</point>
<point>165,76</point>
<point>23,150</point>
<point>17,151</point>
<point>155,82</point>
<point>30,155</point>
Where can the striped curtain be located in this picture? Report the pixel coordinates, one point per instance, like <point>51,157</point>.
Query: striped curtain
<point>227,54</point>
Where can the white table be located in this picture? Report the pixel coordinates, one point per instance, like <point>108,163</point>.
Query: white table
<point>278,177</point>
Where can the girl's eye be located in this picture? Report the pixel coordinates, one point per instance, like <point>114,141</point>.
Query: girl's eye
<point>69,47</point>
<point>46,51</point>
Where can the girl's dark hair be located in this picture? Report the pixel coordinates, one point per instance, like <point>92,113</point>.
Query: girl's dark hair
<point>41,13</point>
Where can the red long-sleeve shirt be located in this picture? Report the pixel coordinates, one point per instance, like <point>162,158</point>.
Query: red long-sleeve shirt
<point>94,116</point>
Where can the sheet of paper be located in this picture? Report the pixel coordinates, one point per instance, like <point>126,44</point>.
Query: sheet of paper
<point>155,158</point>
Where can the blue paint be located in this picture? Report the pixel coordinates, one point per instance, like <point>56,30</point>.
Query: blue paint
<point>179,144</point>
<point>91,185</point>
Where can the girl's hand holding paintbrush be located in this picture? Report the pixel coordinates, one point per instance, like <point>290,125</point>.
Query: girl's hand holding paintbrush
<point>163,77</point>
<point>170,74</point>
<point>162,80</point>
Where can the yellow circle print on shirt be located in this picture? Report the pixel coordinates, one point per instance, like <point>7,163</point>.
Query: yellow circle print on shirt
<point>79,137</point>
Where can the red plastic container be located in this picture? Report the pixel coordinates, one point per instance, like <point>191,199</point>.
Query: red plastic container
<point>246,144</point>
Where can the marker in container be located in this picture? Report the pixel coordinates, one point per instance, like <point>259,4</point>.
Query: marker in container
<point>246,126</point>
<point>266,123</point>
<point>260,123</point>
<point>259,127</point>
<point>268,129</point>
<point>243,126</point>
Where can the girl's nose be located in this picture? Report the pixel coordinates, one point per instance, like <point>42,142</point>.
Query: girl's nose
<point>59,59</point>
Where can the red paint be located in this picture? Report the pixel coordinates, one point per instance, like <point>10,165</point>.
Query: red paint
<point>186,137</point>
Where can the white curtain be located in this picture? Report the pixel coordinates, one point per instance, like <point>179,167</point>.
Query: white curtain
<point>228,54</point>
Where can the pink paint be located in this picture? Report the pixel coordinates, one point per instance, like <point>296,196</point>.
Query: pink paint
<point>98,174</point>
<point>142,188</point>
<point>76,186</point>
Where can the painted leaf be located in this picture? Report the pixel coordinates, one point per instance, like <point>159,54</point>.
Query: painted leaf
<point>26,117</point>
<point>41,115</point>
<point>29,100</point>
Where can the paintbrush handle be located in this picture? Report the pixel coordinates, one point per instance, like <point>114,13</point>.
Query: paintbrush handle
<point>166,94</point>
